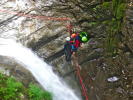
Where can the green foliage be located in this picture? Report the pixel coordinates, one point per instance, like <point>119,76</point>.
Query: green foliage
<point>114,26</point>
<point>94,9</point>
<point>116,10</point>
<point>10,89</point>
<point>106,5</point>
<point>36,93</point>
<point>118,7</point>
<point>112,39</point>
<point>106,22</point>
<point>120,11</point>
<point>115,5</point>
<point>103,6</point>
<point>92,23</point>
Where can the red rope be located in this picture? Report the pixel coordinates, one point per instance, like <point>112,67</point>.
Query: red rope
<point>35,16</point>
<point>69,28</point>
<point>84,90</point>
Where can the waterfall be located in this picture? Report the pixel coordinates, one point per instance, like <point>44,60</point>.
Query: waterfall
<point>40,70</point>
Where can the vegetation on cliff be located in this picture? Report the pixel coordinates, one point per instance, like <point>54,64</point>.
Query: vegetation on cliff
<point>10,89</point>
<point>115,25</point>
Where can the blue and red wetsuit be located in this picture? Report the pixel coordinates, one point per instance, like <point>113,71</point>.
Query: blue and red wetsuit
<point>75,43</point>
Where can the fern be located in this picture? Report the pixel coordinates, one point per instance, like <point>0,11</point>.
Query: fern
<point>36,93</point>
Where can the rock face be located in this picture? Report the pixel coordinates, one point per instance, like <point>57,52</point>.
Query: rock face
<point>128,28</point>
<point>46,38</point>
<point>9,67</point>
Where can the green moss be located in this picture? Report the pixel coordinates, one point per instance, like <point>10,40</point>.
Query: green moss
<point>10,89</point>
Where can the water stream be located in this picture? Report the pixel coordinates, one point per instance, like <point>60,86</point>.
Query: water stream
<point>40,70</point>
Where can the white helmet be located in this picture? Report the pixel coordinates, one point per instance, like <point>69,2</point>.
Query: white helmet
<point>67,38</point>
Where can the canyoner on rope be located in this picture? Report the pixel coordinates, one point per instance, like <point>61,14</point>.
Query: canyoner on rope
<point>73,43</point>
<point>67,49</point>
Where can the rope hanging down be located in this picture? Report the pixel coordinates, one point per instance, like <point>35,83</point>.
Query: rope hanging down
<point>69,28</point>
<point>84,90</point>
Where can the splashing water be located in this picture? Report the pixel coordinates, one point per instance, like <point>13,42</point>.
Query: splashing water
<point>40,70</point>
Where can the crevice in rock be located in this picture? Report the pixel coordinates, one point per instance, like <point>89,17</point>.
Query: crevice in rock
<point>14,17</point>
<point>5,22</point>
<point>55,56</point>
<point>93,56</point>
<point>43,41</point>
<point>69,73</point>
<point>127,49</point>
<point>28,37</point>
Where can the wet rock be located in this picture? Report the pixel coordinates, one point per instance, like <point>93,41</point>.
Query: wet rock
<point>9,67</point>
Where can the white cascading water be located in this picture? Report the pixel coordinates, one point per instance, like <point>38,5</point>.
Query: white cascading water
<point>40,70</point>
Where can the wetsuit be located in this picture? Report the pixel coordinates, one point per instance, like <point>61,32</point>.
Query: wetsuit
<point>68,51</point>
